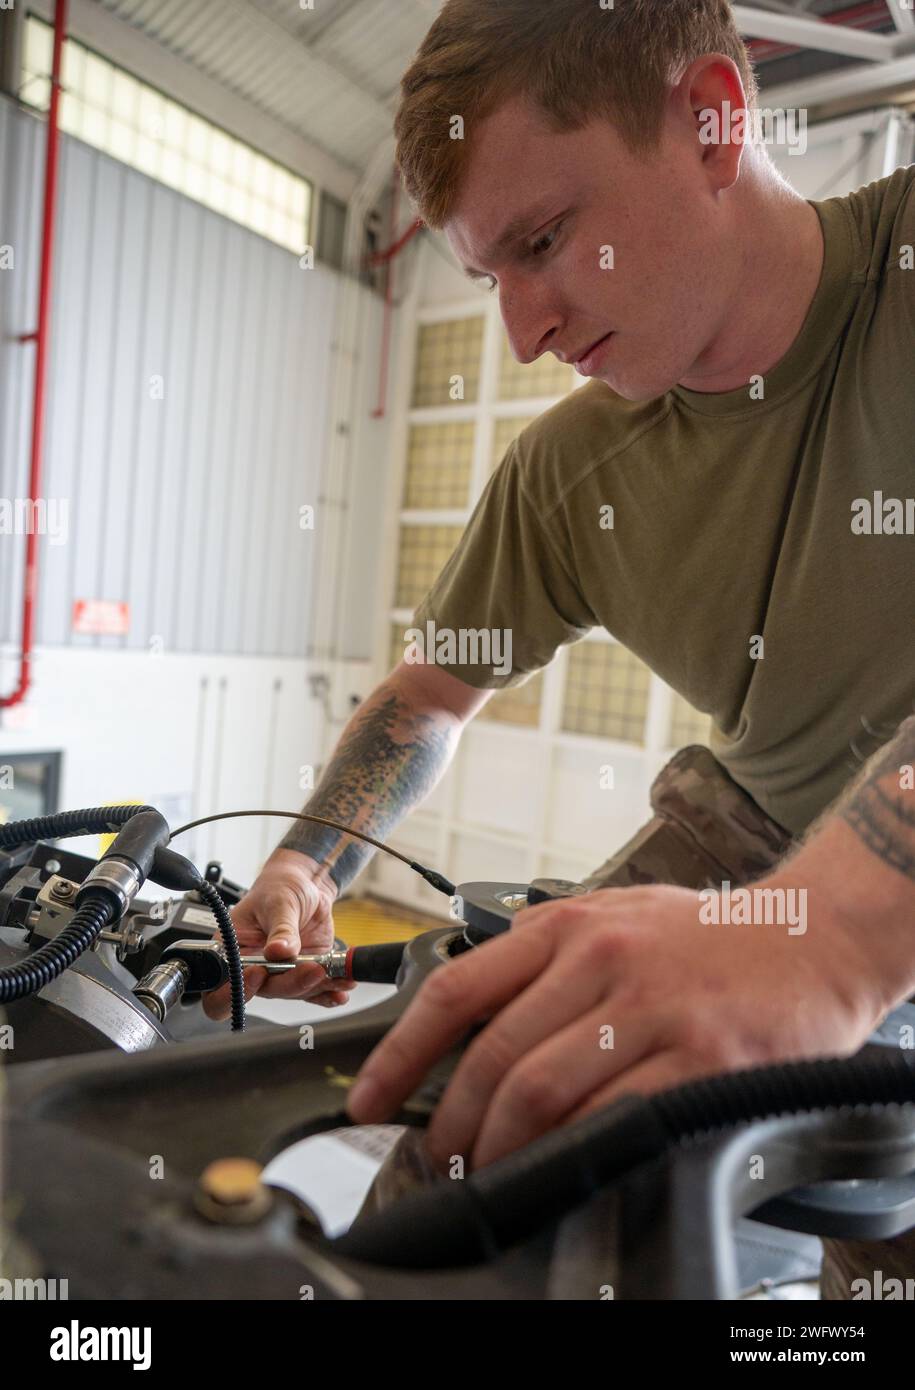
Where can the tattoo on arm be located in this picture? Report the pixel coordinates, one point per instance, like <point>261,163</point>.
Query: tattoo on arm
<point>880,806</point>
<point>388,760</point>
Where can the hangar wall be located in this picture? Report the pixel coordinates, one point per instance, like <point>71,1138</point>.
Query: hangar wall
<point>188,417</point>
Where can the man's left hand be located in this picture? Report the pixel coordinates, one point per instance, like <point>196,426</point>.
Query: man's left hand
<point>623,990</point>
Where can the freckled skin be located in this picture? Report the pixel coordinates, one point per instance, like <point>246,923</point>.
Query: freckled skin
<point>716,258</point>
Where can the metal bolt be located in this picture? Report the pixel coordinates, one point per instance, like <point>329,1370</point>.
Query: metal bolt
<point>231,1191</point>
<point>62,889</point>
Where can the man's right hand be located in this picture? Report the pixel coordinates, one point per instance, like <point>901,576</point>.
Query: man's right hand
<point>287,910</point>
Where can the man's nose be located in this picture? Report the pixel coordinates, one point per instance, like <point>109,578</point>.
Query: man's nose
<point>531,323</point>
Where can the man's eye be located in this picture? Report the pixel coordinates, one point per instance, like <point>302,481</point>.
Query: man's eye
<point>539,248</point>
<point>545,243</point>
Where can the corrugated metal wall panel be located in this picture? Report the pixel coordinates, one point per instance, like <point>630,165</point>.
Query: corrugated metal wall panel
<point>69,367</point>
<point>159,568</point>
<point>265,513</point>
<point>121,395</point>
<point>187,419</point>
<point>19,220</point>
<point>156,385</point>
<point>277,573</point>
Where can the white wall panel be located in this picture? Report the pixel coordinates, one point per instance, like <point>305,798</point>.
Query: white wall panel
<point>496,778</point>
<point>199,733</point>
<point>183,501</point>
<point>587,820</point>
<point>478,859</point>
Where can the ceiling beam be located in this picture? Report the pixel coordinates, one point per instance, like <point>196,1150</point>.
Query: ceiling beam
<point>803,32</point>
<point>870,81</point>
<point>903,16</point>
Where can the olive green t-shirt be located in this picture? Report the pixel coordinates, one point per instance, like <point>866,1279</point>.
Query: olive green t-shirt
<point>733,519</point>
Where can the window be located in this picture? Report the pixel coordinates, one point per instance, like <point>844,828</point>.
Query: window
<point>439,467</point>
<point>450,460</point>
<point>606,693</point>
<point>446,350</point>
<point>518,705</point>
<point>424,552</point>
<point>331,230</point>
<point>113,111</point>
<point>687,725</point>
<point>545,377</point>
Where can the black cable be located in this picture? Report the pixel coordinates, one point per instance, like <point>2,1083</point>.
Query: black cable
<point>44,965</point>
<point>105,819</point>
<point>91,917</point>
<point>172,870</point>
<point>460,1223</point>
<point>431,876</point>
<point>99,909</point>
<point>97,820</point>
<point>211,896</point>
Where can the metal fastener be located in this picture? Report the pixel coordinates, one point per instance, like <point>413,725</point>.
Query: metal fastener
<point>231,1191</point>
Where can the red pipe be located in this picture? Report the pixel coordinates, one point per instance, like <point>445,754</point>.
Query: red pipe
<point>380,257</point>
<point>40,338</point>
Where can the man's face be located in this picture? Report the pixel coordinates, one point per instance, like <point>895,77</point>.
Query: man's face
<point>671,287</point>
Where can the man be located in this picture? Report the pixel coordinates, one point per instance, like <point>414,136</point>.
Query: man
<point>748,396</point>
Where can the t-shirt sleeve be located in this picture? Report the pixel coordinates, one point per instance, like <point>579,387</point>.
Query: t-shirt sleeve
<point>907,249</point>
<point>507,591</point>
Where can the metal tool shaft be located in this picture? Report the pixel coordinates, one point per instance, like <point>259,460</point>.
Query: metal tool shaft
<point>332,962</point>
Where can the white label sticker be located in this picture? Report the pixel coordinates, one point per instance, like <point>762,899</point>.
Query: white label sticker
<point>199,917</point>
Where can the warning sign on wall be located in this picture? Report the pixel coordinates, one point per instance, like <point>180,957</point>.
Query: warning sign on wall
<point>101,617</point>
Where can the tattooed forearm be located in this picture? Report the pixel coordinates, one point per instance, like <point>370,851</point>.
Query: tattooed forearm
<point>880,806</point>
<point>389,758</point>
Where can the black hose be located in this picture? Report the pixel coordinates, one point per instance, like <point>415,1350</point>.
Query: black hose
<point>718,1102</point>
<point>211,896</point>
<point>44,965</point>
<point>90,918</point>
<point>56,956</point>
<point>457,1223</point>
<point>97,820</point>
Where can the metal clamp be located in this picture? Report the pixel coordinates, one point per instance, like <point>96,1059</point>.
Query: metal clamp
<point>117,877</point>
